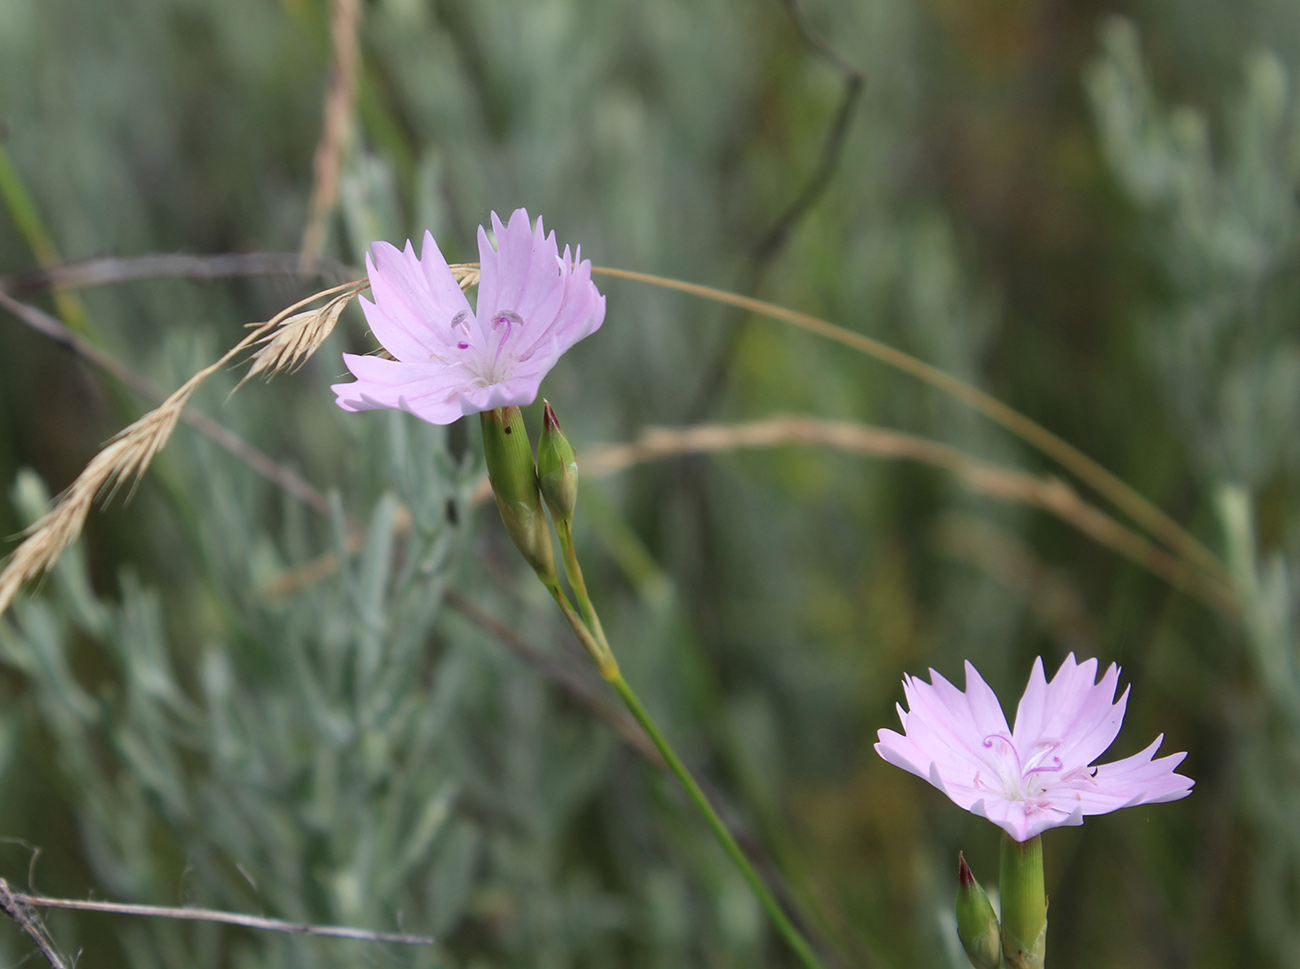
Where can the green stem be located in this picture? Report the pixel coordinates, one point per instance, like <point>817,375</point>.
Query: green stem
<point>599,651</point>
<point>1024,904</point>
<point>782,922</point>
<point>22,210</point>
<point>564,528</point>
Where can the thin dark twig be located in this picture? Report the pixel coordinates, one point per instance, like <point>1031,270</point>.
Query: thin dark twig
<point>12,902</point>
<point>832,146</point>
<point>769,246</point>
<point>110,270</point>
<point>17,907</point>
<point>258,460</point>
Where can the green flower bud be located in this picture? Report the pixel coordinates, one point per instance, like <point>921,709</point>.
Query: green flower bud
<point>514,483</point>
<point>557,468</point>
<point>977,923</point>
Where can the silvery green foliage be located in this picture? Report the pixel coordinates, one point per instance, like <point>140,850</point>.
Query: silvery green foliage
<point>1220,206</point>
<point>330,759</point>
<point>1222,219</point>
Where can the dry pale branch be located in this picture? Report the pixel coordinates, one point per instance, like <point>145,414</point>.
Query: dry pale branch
<point>259,461</point>
<point>1048,494</point>
<point>339,97</point>
<point>114,270</point>
<point>18,906</point>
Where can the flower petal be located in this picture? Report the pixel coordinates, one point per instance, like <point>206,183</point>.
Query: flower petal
<point>579,315</point>
<point>415,300</point>
<point>1078,715</point>
<point>944,734</point>
<point>1140,779</point>
<point>429,391</point>
<point>522,275</point>
<point>1023,821</point>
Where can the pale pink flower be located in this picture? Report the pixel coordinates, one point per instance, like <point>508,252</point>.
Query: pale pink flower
<point>1039,775</point>
<point>453,360</point>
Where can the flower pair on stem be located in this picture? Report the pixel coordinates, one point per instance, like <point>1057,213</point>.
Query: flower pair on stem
<point>449,361</point>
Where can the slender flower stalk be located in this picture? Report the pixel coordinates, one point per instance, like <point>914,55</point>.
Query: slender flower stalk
<point>562,513</point>
<point>793,937</point>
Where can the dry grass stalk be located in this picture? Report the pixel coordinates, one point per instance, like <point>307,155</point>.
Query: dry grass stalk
<point>1048,494</point>
<point>1002,484</point>
<point>339,98</point>
<point>287,347</point>
<point>126,457</point>
<point>466,274</point>
<point>1121,494</point>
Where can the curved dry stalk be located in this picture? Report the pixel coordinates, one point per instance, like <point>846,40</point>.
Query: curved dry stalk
<point>1145,513</point>
<point>283,342</point>
<point>107,271</point>
<point>1002,484</point>
<point>1125,497</point>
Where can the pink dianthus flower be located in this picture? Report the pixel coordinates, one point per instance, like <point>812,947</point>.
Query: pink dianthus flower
<point>1039,775</point>
<point>453,360</point>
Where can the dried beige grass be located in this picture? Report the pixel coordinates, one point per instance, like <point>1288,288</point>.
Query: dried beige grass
<point>288,346</point>
<point>129,453</point>
<point>284,343</point>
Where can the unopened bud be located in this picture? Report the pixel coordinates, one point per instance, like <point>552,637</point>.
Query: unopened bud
<point>557,468</point>
<point>977,923</point>
<point>514,484</point>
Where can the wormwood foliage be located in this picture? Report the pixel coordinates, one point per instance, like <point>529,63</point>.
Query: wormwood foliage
<point>332,762</point>
<point>1222,223</point>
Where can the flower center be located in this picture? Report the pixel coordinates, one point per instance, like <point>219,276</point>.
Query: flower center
<point>494,360</point>
<point>1024,780</point>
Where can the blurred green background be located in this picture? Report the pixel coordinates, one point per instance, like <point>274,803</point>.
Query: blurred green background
<point>1091,211</point>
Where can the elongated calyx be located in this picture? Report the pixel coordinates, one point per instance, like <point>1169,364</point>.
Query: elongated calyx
<point>557,468</point>
<point>514,484</point>
<point>977,923</point>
